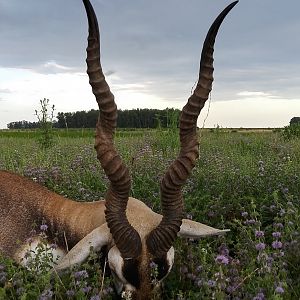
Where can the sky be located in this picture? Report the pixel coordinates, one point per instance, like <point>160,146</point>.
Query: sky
<point>150,54</point>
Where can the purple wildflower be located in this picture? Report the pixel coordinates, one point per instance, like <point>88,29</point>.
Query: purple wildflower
<point>198,282</point>
<point>276,234</point>
<point>231,289</point>
<point>244,214</point>
<point>259,233</point>
<point>70,293</point>
<point>47,294</point>
<point>279,290</point>
<point>250,222</point>
<point>278,225</point>
<point>81,274</point>
<point>260,246</point>
<point>211,283</point>
<point>235,261</point>
<point>86,289</point>
<point>270,260</point>
<point>44,227</point>
<point>153,265</point>
<point>95,297</point>
<point>222,259</point>
<point>259,296</point>
<point>277,245</point>
<point>223,250</point>
<point>199,269</point>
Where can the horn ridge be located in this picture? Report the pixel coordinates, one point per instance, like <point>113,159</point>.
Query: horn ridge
<point>116,171</point>
<point>160,239</point>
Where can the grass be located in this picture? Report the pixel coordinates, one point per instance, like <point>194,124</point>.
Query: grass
<point>65,133</point>
<point>245,181</point>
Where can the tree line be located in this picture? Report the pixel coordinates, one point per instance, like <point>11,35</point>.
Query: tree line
<point>134,118</point>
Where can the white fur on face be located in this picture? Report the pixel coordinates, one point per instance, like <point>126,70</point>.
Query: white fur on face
<point>28,252</point>
<point>116,264</point>
<point>170,259</point>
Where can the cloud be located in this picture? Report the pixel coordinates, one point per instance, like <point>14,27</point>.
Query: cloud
<point>254,94</point>
<point>129,87</point>
<point>257,95</point>
<point>5,91</point>
<point>109,73</point>
<point>52,67</point>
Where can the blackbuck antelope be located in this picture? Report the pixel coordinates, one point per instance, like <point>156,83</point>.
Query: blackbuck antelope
<point>135,236</point>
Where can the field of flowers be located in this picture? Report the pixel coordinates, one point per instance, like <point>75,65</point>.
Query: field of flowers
<point>247,182</point>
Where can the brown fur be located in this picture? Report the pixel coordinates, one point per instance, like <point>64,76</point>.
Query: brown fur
<point>24,203</point>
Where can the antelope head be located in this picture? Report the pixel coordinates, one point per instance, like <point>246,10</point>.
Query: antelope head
<point>136,241</point>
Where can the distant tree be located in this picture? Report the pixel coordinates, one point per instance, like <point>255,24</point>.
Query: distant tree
<point>295,120</point>
<point>172,117</point>
<point>61,121</point>
<point>22,125</point>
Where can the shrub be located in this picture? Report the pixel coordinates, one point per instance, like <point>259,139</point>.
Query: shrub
<point>291,131</point>
<point>45,118</point>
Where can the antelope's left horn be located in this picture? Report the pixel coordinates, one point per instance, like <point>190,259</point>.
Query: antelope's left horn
<point>125,236</point>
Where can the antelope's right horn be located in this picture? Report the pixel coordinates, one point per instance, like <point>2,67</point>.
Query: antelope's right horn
<point>162,237</point>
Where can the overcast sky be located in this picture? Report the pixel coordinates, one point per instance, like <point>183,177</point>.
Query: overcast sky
<point>150,53</point>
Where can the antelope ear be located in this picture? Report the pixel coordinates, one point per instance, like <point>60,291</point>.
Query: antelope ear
<point>191,229</point>
<point>97,238</point>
